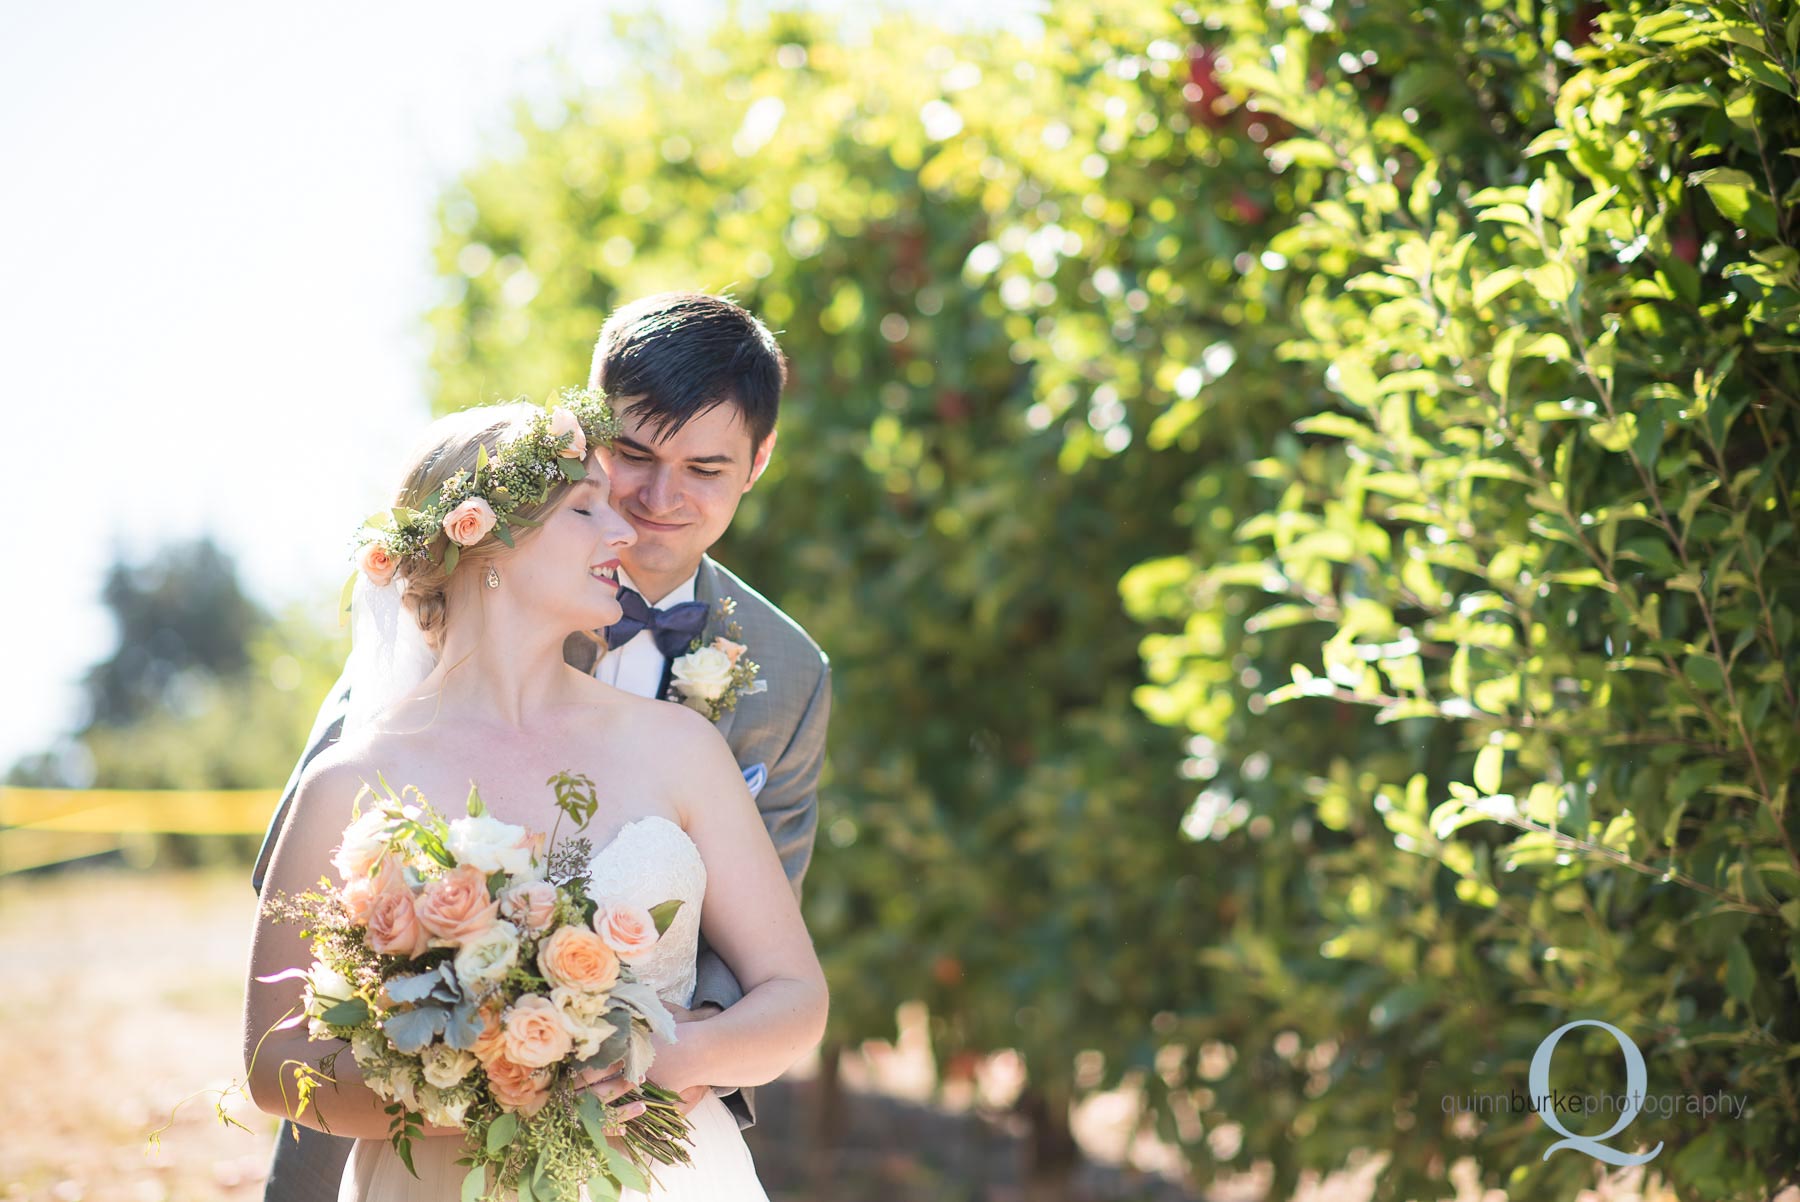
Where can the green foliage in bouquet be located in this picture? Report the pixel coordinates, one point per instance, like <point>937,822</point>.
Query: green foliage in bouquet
<point>407,1016</point>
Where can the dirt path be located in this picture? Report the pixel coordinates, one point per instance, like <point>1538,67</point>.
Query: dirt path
<point>120,996</point>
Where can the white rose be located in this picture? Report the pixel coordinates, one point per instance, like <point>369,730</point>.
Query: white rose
<point>362,846</point>
<point>490,845</point>
<point>446,1066</point>
<point>704,674</point>
<point>442,1111</point>
<point>489,956</point>
<point>369,1046</point>
<point>403,1088</point>
<point>325,988</point>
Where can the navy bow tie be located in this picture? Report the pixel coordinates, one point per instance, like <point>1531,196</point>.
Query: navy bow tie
<point>672,628</point>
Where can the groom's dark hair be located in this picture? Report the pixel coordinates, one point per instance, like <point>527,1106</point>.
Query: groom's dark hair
<point>683,353</point>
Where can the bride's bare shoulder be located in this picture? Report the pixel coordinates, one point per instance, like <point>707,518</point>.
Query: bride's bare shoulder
<point>340,771</point>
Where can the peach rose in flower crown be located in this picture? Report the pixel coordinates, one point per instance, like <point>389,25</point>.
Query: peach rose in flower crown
<point>377,564</point>
<point>563,422</point>
<point>529,904</point>
<point>535,1035</point>
<point>580,959</point>
<point>469,522</point>
<point>456,907</point>
<point>628,930</point>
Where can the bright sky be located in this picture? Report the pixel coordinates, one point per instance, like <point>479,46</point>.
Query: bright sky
<point>218,221</point>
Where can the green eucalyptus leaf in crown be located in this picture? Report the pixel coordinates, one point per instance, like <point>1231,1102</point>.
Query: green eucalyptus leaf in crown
<point>520,474</point>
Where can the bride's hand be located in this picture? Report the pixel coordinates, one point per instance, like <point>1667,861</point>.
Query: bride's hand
<point>609,1084</point>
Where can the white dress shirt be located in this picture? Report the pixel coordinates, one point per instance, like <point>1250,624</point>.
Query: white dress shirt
<point>637,667</point>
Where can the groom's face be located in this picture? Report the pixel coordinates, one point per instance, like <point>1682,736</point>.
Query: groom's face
<point>680,494</point>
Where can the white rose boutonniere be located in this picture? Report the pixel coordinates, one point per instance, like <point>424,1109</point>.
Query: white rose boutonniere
<point>713,675</point>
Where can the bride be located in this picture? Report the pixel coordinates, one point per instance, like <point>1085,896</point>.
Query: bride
<point>498,707</point>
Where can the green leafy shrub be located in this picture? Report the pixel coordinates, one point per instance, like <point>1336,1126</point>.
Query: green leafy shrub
<point>1540,527</point>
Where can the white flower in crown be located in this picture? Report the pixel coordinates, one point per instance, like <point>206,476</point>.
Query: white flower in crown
<point>712,676</point>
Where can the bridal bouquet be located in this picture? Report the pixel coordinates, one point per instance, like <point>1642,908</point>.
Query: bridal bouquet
<point>473,978</point>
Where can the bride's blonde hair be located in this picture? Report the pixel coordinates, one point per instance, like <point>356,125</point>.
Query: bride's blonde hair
<point>450,445</point>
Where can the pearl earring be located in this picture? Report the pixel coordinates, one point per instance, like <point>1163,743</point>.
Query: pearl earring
<point>493,578</point>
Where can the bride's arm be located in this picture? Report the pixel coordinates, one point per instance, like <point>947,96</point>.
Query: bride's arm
<point>752,919</point>
<point>314,827</point>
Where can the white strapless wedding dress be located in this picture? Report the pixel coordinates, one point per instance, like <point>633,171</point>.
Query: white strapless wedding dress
<point>649,861</point>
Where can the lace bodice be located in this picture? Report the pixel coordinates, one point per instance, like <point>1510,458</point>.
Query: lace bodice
<point>648,862</point>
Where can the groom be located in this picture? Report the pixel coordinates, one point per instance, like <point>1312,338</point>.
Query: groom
<point>696,382</point>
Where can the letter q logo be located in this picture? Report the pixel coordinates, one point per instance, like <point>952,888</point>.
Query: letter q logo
<point>1635,1078</point>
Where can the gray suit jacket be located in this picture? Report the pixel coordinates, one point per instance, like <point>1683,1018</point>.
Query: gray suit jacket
<point>782,729</point>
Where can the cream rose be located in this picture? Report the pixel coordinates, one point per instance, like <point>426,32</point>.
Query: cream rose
<point>362,847</point>
<point>489,956</point>
<point>444,1065</point>
<point>441,1110</point>
<point>704,674</point>
<point>469,522</point>
<point>628,930</point>
<point>530,904</point>
<point>563,422</point>
<point>584,1014</point>
<point>403,1086</point>
<point>325,988</point>
<point>490,845</point>
<point>456,907</point>
<point>369,1047</point>
<point>534,1032</point>
<point>517,1087</point>
<point>377,564</point>
<point>578,958</point>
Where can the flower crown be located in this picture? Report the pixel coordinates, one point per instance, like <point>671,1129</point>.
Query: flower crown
<point>548,453</point>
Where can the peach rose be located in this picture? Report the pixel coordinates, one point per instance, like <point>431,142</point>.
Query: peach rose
<point>469,522</point>
<point>563,422</point>
<point>456,907</point>
<point>391,876</point>
<point>490,1043</point>
<point>580,959</point>
<point>394,928</point>
<point>534,842</point>
<point>530,904</point>
<point>377,564</point>
<point>628,930</point>
<point>733,651</point>
<point>517,1087</point>
<point>535,1035</point>
<point>358,896</point>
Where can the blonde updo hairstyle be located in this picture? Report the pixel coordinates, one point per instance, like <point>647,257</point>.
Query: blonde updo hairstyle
<point>448,446</point>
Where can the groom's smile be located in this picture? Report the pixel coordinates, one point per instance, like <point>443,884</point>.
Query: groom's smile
<point>679,490</point>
